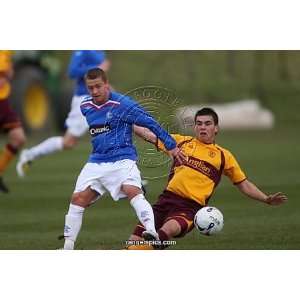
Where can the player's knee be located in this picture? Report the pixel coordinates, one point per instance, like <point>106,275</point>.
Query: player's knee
<point>175,227</point>
<point>17,138</point>
<point>131,191</point>
<point>80,200</point>
<point>69,142</point>
<point>18,142</point>
<point>69,145</point>
<point>21,141</point>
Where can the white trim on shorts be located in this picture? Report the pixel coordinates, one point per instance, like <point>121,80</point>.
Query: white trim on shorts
<point>76,123</point>
<point>102,177</point>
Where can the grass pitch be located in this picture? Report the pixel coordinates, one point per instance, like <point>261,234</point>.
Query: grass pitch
<point>32,215</point>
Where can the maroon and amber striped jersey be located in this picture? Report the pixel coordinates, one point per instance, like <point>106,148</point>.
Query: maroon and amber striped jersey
<point>197,178</point>
<point>5,68</point>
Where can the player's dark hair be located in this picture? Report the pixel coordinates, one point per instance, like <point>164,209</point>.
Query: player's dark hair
<point>95,73</point>
<point>207,111</point>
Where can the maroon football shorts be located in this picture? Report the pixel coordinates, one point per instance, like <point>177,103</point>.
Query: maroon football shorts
<point>172,206</point>
<point>8,118</point>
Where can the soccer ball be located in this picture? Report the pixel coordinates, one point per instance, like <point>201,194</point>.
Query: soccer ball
<point>209,220</point>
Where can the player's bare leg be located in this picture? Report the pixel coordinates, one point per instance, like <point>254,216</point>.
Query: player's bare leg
<point>16,139</point>
<point>171,228</point>
<point>69,141</point>
<point>49,146</point>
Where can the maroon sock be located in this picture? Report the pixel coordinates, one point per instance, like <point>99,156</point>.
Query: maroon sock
<point>12,148</point>
<point>162,235</point>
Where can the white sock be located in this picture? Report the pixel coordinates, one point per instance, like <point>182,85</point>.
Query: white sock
<point>46,147</point>
<point>73,221</point>
<point>143,211</point>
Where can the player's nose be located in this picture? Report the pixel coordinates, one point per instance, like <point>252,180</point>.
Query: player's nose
<point>94,91</point>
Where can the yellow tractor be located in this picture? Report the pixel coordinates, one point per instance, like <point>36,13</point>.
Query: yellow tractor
<point>41,91</point>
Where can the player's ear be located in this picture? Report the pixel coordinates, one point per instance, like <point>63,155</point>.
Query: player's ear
<point>194,128</point>
<point>216,129</point>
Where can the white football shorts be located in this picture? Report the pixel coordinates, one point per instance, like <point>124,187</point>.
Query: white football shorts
<point>102,177</point>
<point>76,122</point>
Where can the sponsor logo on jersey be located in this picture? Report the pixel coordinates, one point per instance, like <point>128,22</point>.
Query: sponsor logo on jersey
<point>203,167</point>
<point>109,115</point>
<point>98,129</point>
<point>212,154</point>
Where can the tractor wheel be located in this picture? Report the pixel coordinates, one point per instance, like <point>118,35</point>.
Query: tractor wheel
<point>31,99</point>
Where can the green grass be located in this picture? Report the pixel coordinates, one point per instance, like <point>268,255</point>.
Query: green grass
<point>32,215</point>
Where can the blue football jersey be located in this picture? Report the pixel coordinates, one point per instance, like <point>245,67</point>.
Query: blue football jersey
<point>110,127</point>
<point>81,62</point>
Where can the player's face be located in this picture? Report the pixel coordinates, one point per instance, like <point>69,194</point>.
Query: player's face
<point>205,129</point>
<point>98,89</point>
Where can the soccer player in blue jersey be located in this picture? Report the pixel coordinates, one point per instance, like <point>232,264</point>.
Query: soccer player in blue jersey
<point>76,126</point>
<point>112,164</point>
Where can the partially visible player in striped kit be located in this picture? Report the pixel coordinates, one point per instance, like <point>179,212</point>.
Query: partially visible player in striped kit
<point>191,184</point>
<point>9,121</point>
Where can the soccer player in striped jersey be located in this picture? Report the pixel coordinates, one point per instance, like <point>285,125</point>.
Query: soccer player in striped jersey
<point>192,183</point>
<point>112,164</point>
<point>9,121</point>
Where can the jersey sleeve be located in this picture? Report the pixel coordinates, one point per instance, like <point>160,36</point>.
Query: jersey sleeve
<point>5,61</point>
<point>232,169</point>
<point>5,68</point>
<point>135,114</point>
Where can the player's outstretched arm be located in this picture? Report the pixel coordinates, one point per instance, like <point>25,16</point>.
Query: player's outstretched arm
<point>252,191</point>
<point>150,137</point>
<point>145,134</point>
